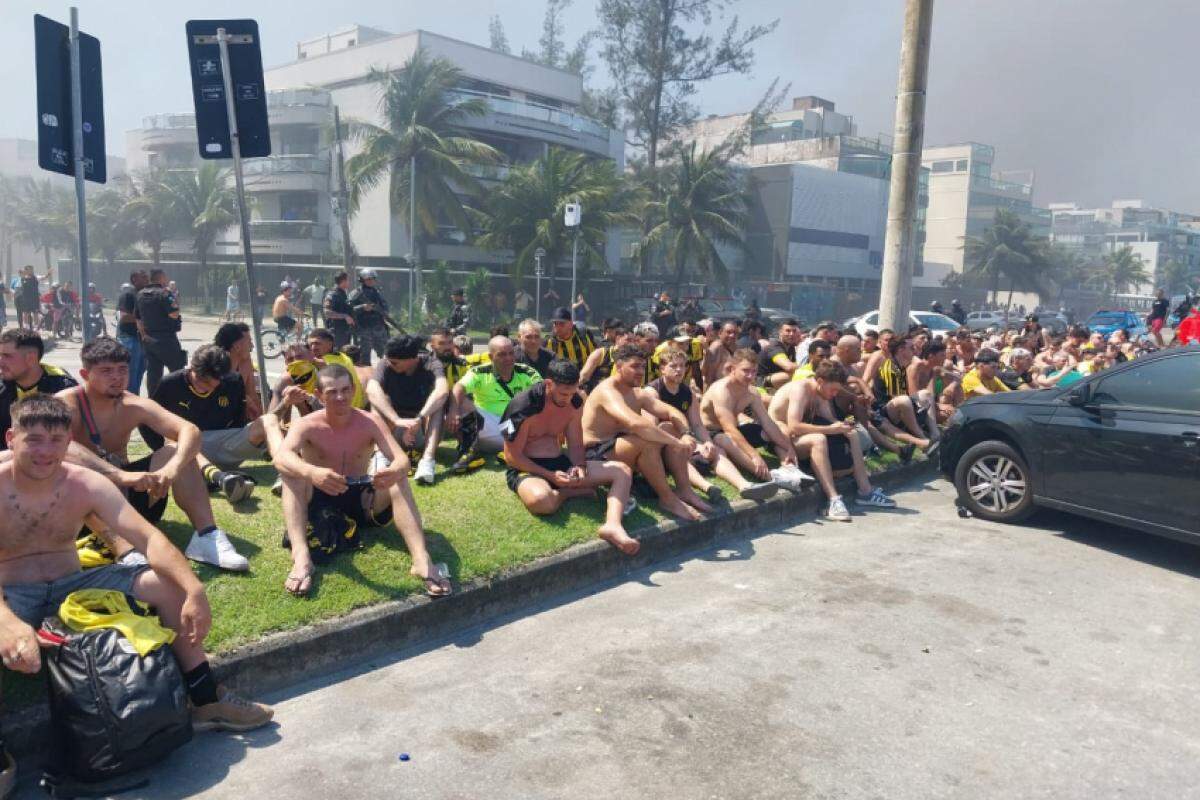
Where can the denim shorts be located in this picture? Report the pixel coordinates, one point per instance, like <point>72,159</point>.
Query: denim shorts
<point>33,602</point>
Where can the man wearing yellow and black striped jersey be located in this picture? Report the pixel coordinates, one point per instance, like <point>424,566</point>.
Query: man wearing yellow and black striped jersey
<point>24,374</point>
<point>892,400</point>
<point>778,360</point>
<point>569,342</point>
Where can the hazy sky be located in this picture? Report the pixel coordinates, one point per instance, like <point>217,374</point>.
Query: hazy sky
<point>1098,97</point>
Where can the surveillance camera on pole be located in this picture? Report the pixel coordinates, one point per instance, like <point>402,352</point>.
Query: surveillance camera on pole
<point>573,218</point>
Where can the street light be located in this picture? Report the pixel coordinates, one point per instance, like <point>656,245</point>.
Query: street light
<point>538,255</point>
<point>572,217</point>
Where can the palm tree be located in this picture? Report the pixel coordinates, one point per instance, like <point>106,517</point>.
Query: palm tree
<point>1065,267</point>
<point>8,223</point>
<point>1174,276</point>
<point>1124,270</point>
<point>1006,251</point>
<point>423,120</point>
<point>696,204</point>
<point>205,202</point>
<point>525,212</point>
<point>112,227</point>
<point>153,212</point>
<point>45,216</point>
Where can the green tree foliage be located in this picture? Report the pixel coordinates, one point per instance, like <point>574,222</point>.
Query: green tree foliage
<point>1006,252</point>
<point>526,211</point>
<point>695,204</point>
<point>660,51</point>
<point>1124,271</point>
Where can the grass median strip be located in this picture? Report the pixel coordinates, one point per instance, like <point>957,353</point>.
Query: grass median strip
<point>473,523</point>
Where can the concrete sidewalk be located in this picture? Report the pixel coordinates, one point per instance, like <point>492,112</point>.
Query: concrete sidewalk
<point>909,654</point>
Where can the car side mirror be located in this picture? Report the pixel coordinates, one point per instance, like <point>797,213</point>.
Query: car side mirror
<point>1080,398</point>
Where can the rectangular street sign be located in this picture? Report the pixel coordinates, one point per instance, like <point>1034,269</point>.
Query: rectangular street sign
<point>208,89</point>
<point>56,143</point>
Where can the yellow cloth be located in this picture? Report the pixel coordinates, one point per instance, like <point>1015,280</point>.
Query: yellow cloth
<point>304,375</point>
<point>92,551</point>
<point>802,372</point>
<point>972,382</point>
<point>95,609</point>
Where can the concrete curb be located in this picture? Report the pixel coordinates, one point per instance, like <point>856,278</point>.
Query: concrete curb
<point>284,659</point>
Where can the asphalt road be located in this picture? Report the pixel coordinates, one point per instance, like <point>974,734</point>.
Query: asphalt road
<point>909,654</point>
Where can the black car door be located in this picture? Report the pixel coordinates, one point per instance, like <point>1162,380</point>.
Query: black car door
<point>1129,444</point>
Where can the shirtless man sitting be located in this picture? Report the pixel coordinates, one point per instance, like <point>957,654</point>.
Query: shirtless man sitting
<point>614,428</point>
<point>104,415</point>
<point>534,424</point>
<point>716,364</point>
<point>720,408</point>
<point>805,410</point>
<point>45,506</point>
<point>324,462</point>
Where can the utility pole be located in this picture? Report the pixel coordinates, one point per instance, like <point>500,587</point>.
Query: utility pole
<point>343,199</point>
<point>412,236</point>
<point>895,291</point>
<point>80,167</point>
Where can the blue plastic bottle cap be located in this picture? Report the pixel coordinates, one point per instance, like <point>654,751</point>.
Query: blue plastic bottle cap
<point>404,757</point>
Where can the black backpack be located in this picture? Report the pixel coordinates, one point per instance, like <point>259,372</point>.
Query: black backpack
<point>111,710</point>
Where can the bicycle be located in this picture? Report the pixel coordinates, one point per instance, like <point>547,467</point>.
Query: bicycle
<point>274,340</point>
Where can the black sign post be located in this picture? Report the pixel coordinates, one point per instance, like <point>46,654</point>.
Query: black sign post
<point>231,122</point>
<point>70,105</point>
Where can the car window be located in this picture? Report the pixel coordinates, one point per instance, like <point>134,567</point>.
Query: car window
<point>1170,383</point>
<point>871,318</point>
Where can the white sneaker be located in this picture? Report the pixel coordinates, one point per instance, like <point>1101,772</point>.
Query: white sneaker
<point>425,468</point>
<point>277,487</point>
<point>791,478</point>
<point>216,549</point>
<point>837,510</point>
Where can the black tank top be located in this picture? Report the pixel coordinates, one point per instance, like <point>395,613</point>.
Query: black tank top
<point>680,401</point>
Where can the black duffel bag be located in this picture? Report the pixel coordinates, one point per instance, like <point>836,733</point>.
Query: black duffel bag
<point>112,711</point>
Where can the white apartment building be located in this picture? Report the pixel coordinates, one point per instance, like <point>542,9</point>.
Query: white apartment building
<point>530,108</point>
<point>964,194</point>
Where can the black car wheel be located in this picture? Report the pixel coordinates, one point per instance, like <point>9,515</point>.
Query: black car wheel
<point>993,482</point>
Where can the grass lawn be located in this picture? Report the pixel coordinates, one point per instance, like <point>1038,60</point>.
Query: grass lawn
<point>474,524</point>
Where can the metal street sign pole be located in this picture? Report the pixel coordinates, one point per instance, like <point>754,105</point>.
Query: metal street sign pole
<point>343,199</point>
<point>537,255</point>
<point>80,199</point>
<point>574,255</point>
<point>243,216</point>
<point>412,236</point>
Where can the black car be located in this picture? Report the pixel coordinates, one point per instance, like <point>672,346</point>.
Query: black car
<point>1122,446</point>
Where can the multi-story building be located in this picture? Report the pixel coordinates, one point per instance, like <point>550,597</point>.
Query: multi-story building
<point>964,194</point>
<point>1156,235</point>
<point>530,107</point>
<point>289,191</point>
<point>819,195</point>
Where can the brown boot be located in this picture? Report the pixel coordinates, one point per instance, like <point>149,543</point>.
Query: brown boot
<point>230,713</point>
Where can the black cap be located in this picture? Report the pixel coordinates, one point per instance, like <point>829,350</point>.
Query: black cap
<point>456,292</point>
<point>404,346</point>
<point>561,314</point>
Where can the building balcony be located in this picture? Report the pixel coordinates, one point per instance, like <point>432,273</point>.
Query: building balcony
<point>299,107</point>
<point>514,117</point>
<point>164,130</point>
<point>269,229</point>
<point>298,173</point>
<point>1001,187</point>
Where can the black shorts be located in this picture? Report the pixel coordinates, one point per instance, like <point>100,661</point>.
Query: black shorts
<point>285,324</point>
<point>152,512</point>
<point>600,451</point>
<point>558,463</point>
<point>356,503</point>
<point>753,433</point>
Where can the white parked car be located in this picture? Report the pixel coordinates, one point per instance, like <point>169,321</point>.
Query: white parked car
<point>938,324</point>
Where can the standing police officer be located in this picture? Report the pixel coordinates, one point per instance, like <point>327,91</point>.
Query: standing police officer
<point>369,310</point>
<point>460,315</point>
<point>161,322</point>
<point>339,316</point>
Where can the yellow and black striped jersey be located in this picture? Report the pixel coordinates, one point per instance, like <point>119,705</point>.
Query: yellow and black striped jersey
<point>891,381</point>
<point>576,349</point>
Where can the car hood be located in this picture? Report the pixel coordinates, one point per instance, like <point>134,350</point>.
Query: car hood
<point>1034,397</point>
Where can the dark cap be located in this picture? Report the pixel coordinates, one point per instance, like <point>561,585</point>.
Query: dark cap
<point>561,314</point>
<point>456,292</point>
<point>404,346</point>
<point>987,357</point>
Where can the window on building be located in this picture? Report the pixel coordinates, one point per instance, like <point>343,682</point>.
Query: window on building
<point>960,165</point>
<point>942,166</point>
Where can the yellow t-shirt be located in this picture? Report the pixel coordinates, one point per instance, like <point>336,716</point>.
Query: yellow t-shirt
<point>802,372</point>
<point>972,382</point>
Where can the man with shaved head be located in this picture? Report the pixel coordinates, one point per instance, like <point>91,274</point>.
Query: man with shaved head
<point>478,401</point>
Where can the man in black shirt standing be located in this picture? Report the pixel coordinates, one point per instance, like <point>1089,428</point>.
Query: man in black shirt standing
<point>161,323</point>
<point>23,374</point>
<point>339,316</point>
<point>370,310</point>
<point>460,315</point>
<point>408,390</point>
<point>211,396</point>
<point>1158,315</point>
<point>127,327</point>
<point>28,299</point>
